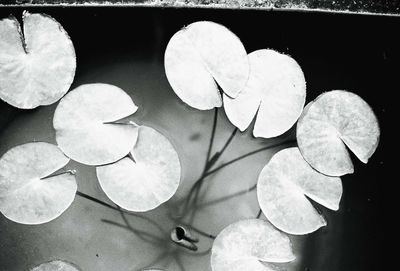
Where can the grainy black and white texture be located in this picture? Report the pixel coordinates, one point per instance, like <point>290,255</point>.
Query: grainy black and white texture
<point>358,53</point>
<point>358,6</point>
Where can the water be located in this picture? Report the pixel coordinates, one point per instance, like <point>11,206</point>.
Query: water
<point>95,237</point>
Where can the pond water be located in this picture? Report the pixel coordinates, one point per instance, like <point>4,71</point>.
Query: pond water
<point>125,47</point>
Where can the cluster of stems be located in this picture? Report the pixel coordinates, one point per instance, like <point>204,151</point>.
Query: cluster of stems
<point>193,201</point>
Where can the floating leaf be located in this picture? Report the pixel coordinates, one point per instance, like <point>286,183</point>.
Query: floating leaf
<point>55,265</point>
<point>283,187</point>
<point>337,119</point>
<point>151,179</point>
<point>37,66</point>
<point>276,88</point>
<point>84,126</point>
<point>201,53</point>
<point>26,195</point>
<point>248,245</point>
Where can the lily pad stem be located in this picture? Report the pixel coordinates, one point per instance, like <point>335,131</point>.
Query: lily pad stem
<point>210,164</point>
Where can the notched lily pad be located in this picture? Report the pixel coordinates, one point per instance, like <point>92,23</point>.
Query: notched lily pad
<point>56,265</point>
<point>334,120</point>
<point>37,64</point>
<point>201,55</point>
<point>276,89</point>
<point>146,181</point>
<point>85,128</point>
<point>252,245</point>
<point>26,195</point>
<point>283,187</point>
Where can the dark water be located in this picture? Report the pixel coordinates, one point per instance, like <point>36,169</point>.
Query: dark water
<point>125,47</point>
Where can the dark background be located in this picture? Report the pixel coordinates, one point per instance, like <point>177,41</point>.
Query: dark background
<point>352,52</point>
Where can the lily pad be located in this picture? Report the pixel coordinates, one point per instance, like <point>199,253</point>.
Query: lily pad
<point>26,195</point>
<point>147,181</point>
<point>37,65</point>
<point>85,124</point>
<point>276,89</point>
<point>283,187</point>
<point>202,55</point>
<point>252,245</point>
<point>334,120</point>
<point>56,265</point>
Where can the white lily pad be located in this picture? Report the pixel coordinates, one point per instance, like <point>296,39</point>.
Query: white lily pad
<point>201,55</point>
<point>83,123</point>
<point>252,245</point>
<point>283,187</point>
<point>56,265</point>
<point>37,65</point>
<point>26,196</point>
<point>148,181</point>
<point>337,119</point>
<point>276,89</point>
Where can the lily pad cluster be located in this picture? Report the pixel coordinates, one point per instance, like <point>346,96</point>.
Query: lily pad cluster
<point>137,167</point>
<point>207,67</point>
<point>271,88</point>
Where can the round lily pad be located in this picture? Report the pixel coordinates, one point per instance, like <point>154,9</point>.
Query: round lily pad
<point>26,195</point>
<point>250,245</point>
<point>146,181</point>
<point>85,124</point>
<point>334,120</point>
<point>275,92</point>
<point>202,56</point>
<point>56,265</point>
<point>37,65</point>
<point>283,187</point>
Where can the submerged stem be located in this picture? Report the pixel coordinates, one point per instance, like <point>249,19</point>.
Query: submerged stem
<point>202,233</point>
<point>228,141</point>
<point>206,166</point>
<point>193,195</point>
<point>86,196</point>
<point>259,213</point>
<point>221,199</point>
<point>208,173</point>
<point>214,128</point>
<point>247,155</point>
<point>198,184</point>
<point>127,225</point>
<point>209,164</point>
<point>122,211</point>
